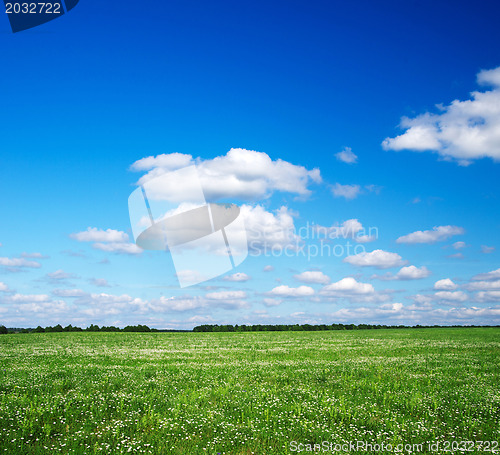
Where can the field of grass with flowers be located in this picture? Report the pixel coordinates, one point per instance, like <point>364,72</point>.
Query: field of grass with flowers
<point>244,393</point>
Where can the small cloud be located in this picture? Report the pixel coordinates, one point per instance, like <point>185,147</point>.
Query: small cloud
<point>34,255</point>
<point>377,258</point>
<point>60,275</point>
<point>313,277</point>
<point>346,191</point>
<point>285,291</point>
<point>268,268</point>
<point>456,296</point>
<point>100,282</point>
<point>99,235</point>
<point>272,302</point>
<point>416,200</point>
<point>436,234</point>
<point>120,248</point>
<point>487,249</point>
<point>3,287</point>
<point>239,276</point>
<point>109,240</point>
<point>15,263</point>
<point>456,256</point>
<point>347,286</point>
<point>374,188</point>
<point>406,273</point>
<point>445,285</point>
<point>347,156</point>
<point>493,275</point>
<point>69,292</point>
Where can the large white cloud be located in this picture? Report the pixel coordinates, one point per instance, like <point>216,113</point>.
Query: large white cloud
<point>378,258</point>
<point>241,174</point>
<point>436,234</point>
<point>462,131</point>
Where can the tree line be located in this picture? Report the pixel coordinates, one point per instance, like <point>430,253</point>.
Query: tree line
<point>307,327</point>
<point>70,328</point>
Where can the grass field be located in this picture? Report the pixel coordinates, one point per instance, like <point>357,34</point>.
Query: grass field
<point>243,393</point>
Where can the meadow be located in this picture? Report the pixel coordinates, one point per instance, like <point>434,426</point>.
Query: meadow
<point>249,393</point>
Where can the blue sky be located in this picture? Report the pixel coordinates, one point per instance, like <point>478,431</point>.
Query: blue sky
<point>322,86</point>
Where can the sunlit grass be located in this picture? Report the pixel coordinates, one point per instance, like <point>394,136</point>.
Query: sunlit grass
<point>243,393</point>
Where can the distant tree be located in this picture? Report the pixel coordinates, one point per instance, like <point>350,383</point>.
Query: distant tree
<point>39,329</point>
<point>3,330</point>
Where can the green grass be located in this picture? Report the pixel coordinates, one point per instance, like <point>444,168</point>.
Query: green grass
<point>243,393</point>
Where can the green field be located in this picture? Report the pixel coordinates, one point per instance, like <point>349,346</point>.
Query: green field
<point>243,393</point>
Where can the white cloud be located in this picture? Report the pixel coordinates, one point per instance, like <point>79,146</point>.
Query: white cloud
<point>69,292</point>
<point>445,285</point>
<point>311,277</point>
<point>167,162</point>
<point>492,285</point>
<point>109,240</point>
<point>60,275</point>
<point>347,156</point>
<point>3,287</point>
<point>463,131</point>
<point>26,298</point>
<point>272,302</point>
<point>437,234</point>
<point>99,235</point>
<point>488,296</point>
<point>459,245</point>
<point>167,304</point>
<point>493,275</point>
<point>346,287</point>
<point>407,273</point>
<point>268,268</point>
<point>266,231</point>
<point>238,276</point>
<point>413,273</point>
<point>100,282</point>
<point>285,291</point>
<point>346,191</point>
<point>352,229</point>
<point>454,296</point>
<point>242,174</point>
<point>456,256</point>
<point>19,263</point>
<point>226,295</point>
<point>487,249</point>
<point>377,258</point>
<point>33,255</point>
<point>115,247</point>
